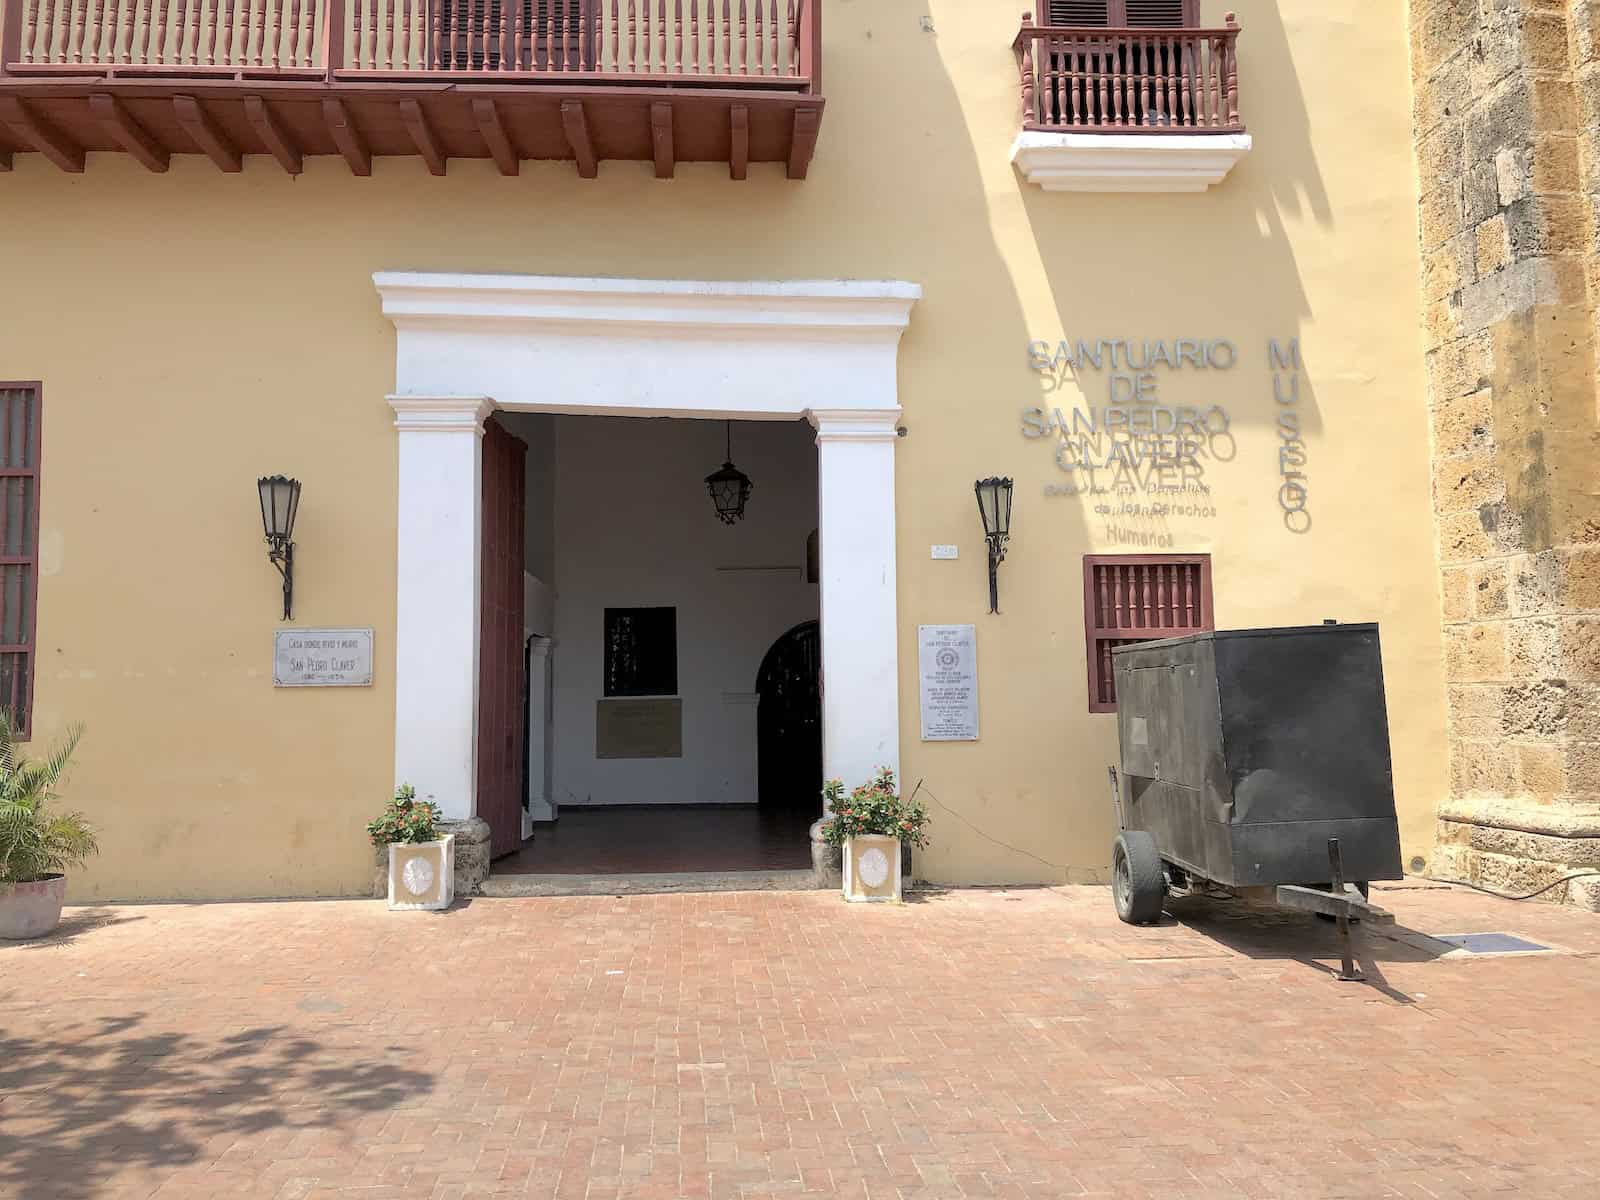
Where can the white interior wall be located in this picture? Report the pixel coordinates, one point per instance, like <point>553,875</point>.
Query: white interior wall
<point>635,527</point>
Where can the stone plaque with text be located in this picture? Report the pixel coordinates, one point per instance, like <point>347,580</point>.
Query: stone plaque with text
<point>638,728</point>
<point>947,667</point>
<point>322,658</point>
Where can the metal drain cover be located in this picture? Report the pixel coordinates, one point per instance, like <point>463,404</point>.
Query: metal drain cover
<point>1491,943</point>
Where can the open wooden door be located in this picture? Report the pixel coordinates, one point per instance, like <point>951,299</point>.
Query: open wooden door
<point>501,665</point>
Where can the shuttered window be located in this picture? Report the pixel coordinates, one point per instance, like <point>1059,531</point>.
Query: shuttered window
<point>1138,14</point>
<point>1077,12</point>
<point>1131,598</point>
<point>1158,14</point>
<point>19,547</point>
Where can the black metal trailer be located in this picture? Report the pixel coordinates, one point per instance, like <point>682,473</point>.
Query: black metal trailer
<point>1255,763</point>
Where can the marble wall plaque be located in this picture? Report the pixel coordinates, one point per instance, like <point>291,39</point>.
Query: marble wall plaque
<point>322,658</point>
<point>947,668</point>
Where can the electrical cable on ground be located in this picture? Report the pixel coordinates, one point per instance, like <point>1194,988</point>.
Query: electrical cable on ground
<point>982,834</point>
<point>1504,896</point>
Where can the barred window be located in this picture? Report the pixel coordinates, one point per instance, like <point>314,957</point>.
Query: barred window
<point>1131,598</point>
<point>19,547</point>
<point>641,652</point>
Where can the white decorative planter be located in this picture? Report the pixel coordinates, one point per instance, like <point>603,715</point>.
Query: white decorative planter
<point>872,868</point>
<point>30,910</point>
<point>422,874</point>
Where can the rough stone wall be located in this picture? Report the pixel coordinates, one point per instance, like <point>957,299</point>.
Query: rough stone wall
<point>1507,98</point>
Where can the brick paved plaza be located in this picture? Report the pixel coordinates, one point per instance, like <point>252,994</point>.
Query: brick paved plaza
<point>976,1043</point>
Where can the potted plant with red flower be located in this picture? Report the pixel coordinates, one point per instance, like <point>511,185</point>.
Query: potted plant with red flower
<point>870,824</point>
<point>422,867</point>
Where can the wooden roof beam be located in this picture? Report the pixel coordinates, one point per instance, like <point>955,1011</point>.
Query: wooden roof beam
<point>661,138</point>
<point>803,143</point>
<point>495,137</point>
<point>42,136</point>
<point>576,126</point>
<point>422,136</point>
<point>133,137</point>
<point>200,126</point>
<point>270,131</point>
<point>347,137</point>
<point>739,142</point>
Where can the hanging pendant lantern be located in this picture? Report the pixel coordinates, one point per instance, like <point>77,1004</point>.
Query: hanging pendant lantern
<point>729,487</point>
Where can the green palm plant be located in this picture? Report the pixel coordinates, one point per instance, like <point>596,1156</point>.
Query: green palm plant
<point>36,840</point>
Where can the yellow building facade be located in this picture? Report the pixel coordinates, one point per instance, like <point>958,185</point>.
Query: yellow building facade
<point>193,329</point>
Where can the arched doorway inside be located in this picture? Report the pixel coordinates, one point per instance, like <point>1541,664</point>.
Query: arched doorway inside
<point>789,727</point>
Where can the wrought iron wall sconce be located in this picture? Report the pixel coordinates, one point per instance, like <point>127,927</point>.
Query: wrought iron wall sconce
<point>280,501</point>
<point>994,506</point>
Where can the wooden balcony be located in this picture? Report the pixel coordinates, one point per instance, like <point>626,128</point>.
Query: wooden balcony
<point>1079,79</point>
<point>1128,109</point>
<point>662,81</point>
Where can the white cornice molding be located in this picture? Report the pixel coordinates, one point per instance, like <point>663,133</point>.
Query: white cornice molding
<point>855,424</point>
<point>441,414</point>
<point>868,310</point>
<point>1104,162</point>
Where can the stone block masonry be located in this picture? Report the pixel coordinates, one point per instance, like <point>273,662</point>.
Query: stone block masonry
<point>1507,102</point>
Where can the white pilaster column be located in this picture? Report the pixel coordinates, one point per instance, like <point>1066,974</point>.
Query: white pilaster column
<point>436,626</point>
<point>860,672</point>
<point>540,805</point>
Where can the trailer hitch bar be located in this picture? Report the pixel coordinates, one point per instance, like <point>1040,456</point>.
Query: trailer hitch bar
<point>1341,902</point>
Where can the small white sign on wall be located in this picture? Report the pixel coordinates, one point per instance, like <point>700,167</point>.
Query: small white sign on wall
<point>944,552</point>
<point>322,658</point>
<point>947,668</point>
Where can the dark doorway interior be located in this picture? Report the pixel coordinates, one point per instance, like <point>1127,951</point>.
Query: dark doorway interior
<point>643,839</point>
<point>789,726</point>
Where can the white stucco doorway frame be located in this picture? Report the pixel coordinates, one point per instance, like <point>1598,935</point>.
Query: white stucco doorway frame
<point>467,345</point>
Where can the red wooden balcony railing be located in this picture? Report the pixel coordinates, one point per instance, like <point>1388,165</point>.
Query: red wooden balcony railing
<point>735,81</point>
<point>1078,79</point>
<point>726,42</point>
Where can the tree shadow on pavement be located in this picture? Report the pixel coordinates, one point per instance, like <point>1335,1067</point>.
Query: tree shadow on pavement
<point>97,1098</point>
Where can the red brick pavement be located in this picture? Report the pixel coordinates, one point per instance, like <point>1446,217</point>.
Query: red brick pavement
<point>980,1043</point>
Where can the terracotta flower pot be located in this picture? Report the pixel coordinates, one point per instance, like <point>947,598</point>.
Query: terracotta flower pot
<point>872,868</point>
<point>422,874</point>
<point>30,910</point>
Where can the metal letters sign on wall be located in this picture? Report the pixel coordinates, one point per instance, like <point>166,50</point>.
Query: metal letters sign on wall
<point>947,663</point>
<point>1143,457</point>
<point>322,658</point>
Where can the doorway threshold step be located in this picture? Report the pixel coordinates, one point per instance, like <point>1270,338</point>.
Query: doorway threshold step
<point>637,884</point>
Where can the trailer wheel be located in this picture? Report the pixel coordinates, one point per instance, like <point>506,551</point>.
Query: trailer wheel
<point>1138,884</point>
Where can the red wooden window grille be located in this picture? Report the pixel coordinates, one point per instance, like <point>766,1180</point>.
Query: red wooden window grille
<point>1131,598</point>
<point>19,547</point>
